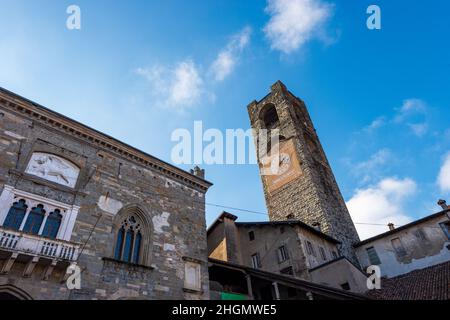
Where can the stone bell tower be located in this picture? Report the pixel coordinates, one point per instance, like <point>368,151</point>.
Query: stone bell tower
<point>304,188</point>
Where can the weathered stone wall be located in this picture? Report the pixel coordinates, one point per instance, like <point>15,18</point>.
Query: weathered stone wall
<point>425,245</point>
<point>109,180</point>
<point>268,238</point>
<point>341,272</point>
<point>315,259</point>
<point>315,196</point>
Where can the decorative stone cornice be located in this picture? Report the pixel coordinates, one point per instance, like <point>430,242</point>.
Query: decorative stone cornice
<point>35,112</point>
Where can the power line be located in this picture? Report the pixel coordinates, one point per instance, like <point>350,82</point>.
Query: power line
<point>265,214</point>
<point>168,196</point>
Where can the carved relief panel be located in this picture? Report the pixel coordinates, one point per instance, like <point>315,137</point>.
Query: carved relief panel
<point>53,168</point>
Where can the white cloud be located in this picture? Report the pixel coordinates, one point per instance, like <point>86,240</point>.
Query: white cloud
<point>366,170</point>
<point>412,113</point>
<point>381,204</point>
<point>412,106</point>
<point>227,59</point>
<point>295,22</point>
<point>444,175</point>
<point>179,87</point>
<point>183,85</point>
<point>186,85</point>
<point>419,129</point>
<point>377,123</point>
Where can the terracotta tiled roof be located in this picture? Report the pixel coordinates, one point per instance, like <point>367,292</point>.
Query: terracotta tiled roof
<point>432,283</point>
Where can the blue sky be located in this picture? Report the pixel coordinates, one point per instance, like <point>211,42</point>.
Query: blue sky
<point>138,70</point>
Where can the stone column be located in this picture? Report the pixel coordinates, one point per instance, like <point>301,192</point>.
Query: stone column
<point>249,286</point>
<point>68,223</point>
<point>44,221</point>
<point>25,218</point>
<point>277,291</point>
<point>6,200</point>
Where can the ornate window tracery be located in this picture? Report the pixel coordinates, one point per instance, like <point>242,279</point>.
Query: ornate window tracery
<point>129,240</point>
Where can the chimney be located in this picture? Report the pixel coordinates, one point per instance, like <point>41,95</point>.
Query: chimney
<point>391,226</point>
<point>443,204</point>
<point>198,172</point>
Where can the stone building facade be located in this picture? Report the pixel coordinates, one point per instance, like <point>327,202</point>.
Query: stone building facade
<point>418,245</point>
<point>305,187</point>
<point>70,195</point>
<point>290,248</point>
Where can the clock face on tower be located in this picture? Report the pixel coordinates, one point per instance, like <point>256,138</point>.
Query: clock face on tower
<point>288,169</point>
<point>285,163</point>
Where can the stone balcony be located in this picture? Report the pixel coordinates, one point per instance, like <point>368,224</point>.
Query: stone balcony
<point>19,247</point>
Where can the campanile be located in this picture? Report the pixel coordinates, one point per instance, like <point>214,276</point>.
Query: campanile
<point>304,187</point>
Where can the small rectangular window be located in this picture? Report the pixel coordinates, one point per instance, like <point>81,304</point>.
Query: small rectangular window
<point>420,234</point>
<point>251,235</point>
<point>256,261</point>
<point>334,254</point>
<point>192,276</point>
<point>345,286</point>
<point>446,228</point>
<point>373,256</point>
<point>323,254</point>
<point>287,271</point>
<point>282,254</point>
<point>310,249</point>
<point>398,247</point>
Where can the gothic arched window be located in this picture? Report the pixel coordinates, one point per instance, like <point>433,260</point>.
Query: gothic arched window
<point>34,220</point>
<point>53,224</point>
<point>129,238</point>
<point>15,215</point>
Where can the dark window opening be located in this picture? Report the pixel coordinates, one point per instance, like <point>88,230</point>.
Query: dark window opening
<point>282,254</point>
<point>129,241</point>
<point>15,216</point>
<point>34,220</point>
<point>270,116</point>
<point>323,254</point>
<point>334,254</point>
<point>251,235</point>
<point>310,249</point>
<point>53,224</point>
<point>256,261</point>
<point>345,286</point>
<point>287,271</point>
<point>446,228</point>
